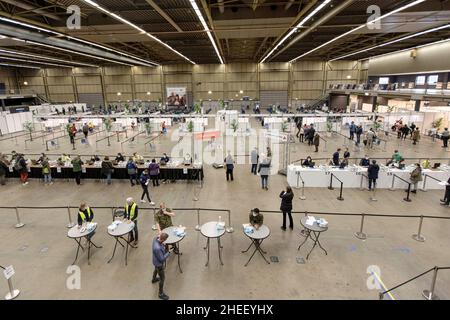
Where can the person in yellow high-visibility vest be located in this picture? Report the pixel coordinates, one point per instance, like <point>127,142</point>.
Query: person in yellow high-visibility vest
<point>85,215</point>
<point>131,214</point>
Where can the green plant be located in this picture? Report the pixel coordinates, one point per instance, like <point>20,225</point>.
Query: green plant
<point>148,128</point>
<point>377,106</point>
<point>234,125</point>
<point>284,126</point>
<point>390,109</point>
<point>108,124</point>
<point>28,126</point>
<point>222,104</point>
<point>329,126</point>
<point>377,125</point>
<point>197,108</point>
<point>190,126</point>
<point>437,124</point>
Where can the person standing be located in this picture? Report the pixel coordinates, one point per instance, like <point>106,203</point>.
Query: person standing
<point>446,200</point>
<point>264,171</point>
<point>413,128</point>
<point>154,172</point>
<point>405,131</point>
<point>145,180</point>
<point>107,169</point>
<point>346,154</point>
<point>21,167</point>
<point>415,135</point>
<point>445,137</point>
<point>372,173</point>
<point>3,169</point>
<point>286,207</point>
<point>311,133</point>
<point>46,171</point>
<point>71,136</point>
<point>302,133</point>
<point>132,171</point>
<point>85,130</point>
<point>359,131</point>
<point>416,177</point>
<point>352,130</point>
<point>163,220</point>
<point>229,163</point>
<point>316,141</point>
<point>131,214</point>
<point>336,157</point>
<point>160,255</point>
<point>370,136</point>
<point>254,157</point>
<point>76,166</point>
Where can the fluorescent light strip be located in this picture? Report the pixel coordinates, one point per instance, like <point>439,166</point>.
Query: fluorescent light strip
<point>205,26</point>
<point>299,25</point>
<point>394,41</point>
<point>358,28</point>
<point>46,58</point>
<point>37,62</point>
<point>18,66</point>
<point>74,38</point>
<point>117,17</point>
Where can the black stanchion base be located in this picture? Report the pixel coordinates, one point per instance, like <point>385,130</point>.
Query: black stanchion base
<point>330,188</point>
<point>407,200</point>
<point>340,198</point>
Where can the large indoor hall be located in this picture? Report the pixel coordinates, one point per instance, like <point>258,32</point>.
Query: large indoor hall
<point>208,150</point>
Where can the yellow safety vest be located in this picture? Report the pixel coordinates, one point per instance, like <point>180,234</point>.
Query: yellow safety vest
<point>133,210</point>
<point>83,216</point>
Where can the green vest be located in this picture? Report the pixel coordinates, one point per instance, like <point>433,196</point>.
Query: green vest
<point>133,210</point>
<point>83,216</point>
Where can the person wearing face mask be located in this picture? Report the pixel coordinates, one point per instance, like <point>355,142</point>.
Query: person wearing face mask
<point>365,162</point>
<point>308,162</point>
<point>256,219</point>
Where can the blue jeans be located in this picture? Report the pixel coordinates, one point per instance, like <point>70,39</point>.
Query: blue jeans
<point>47,178</point>
<point>264,181</point>
<point>108,178</point>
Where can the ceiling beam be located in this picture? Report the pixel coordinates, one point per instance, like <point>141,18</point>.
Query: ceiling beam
<point>261,46</point>
<point>164,15</point>
<point>289,4</point>
<point>210,20</point>
<point>221,6</point>
<point>31,8</point>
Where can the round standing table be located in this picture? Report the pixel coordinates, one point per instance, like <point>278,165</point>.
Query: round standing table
<point>210,231</point>
<point>120,232</point>
<point>174,240</point>
<point>76,234</point>
<point>257,237</point>
<point>312,232</point>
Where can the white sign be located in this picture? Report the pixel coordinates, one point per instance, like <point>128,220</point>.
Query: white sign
<point>58,169</point>
<point>83,169</point>
<point>185,171</point>
<point>176,96</point>
<point>8,272</point>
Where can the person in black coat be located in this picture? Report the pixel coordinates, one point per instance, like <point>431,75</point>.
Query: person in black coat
<point>446,200</point>
<point>373,171</point>
<point>286,207</point>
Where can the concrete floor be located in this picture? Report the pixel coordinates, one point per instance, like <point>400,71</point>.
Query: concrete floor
<point>41,251</point>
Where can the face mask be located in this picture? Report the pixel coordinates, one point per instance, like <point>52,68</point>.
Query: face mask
<point>255,214</point>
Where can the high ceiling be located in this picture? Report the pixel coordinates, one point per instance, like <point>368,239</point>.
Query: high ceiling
<point>244,30</point>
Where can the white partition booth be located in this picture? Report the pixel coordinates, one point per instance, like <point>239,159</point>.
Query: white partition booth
<point>353,177</point>
<point>225,119</point>
<point>13,122</point>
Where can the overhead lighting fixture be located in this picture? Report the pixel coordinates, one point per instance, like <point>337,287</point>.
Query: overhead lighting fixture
<point>119,93</point>
<point>35,56</point>
<point>209,92</point>
<point>25,83</point>
<point>393,41</point>
<point>241,91</point>
<point>349,77</point>
<point>149,93</point>
<point>36,62</point>
<point>142,31</point>
<point>23,24</point>
<point>299,25</point>
<point>360,27</point>
<point>18,66</point>
<point>205,26</point>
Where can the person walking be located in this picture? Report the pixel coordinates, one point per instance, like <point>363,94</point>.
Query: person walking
<point>416,177</point>
<point>286,207</point>
<point>131,215</point>
<point>76,167</point>
<point>316,141</point>
<point>416,135</point>
<point>107,169</point>
<point>445,137</point>
<point>132,171</point>
<point>145,180</point>
<point>4,163</point>
<point>311,133</point>
<point>46,171</point>
<point>372,173</point>
<point>229,163</point>
<point>264,171</point>
<point>154,172</point>
<point>160,255</point>
<point>254,157</point>
<point>352,130</point>
<point>446,200</point>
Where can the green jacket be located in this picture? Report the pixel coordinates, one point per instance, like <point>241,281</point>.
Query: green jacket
<point>163,220</point>
<point>77,163</point>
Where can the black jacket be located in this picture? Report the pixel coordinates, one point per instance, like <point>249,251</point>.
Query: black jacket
<point>107,167</point>
<point>3,168</point>
<point>286,201</point>
<point>373,171</point>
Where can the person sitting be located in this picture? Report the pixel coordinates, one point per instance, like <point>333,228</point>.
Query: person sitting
<point>308,163</point>
<point>119,157</point>
<point>164,159</point>
<point>426,164</point>
<point>365,162</point>
<point>95,158</point>
<point>65,158</point>
<point>41,158</point>
<point>396,158</point>
<point>256,219</point>
<point>137,158</point>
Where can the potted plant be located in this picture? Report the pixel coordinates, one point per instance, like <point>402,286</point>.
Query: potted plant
<point>108,126</point>
<point>190,126</point>
<point>234,125</point>
<point>390,109</point>
<point>197,108</point>
<point>222,104</point>
<point>437,124</point>
<point>329,128</point>
<point>148,128</point>
<point>28,126</point>
<point>284,126</point>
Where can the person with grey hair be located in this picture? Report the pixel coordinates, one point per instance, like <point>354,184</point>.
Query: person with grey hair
<point>160,255</point>
<point>254,160</point>
<point>229,162</point>
<point>264,171</point>
<point>131,214</point>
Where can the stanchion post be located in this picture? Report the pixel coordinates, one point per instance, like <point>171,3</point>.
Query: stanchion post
<point>407,199</point>
<point>302,197</point>
<point>304,232</point>
<point>19,223</point>
<point>429,294</point>
<point>154,225</point>
<point>198,227</point>
<point>361,183</point>
<point>229,228</point>
<point>418,236</point>
<point>13,293</point>
<point>331,183</point>
<point>372,198</point>
<point>70,224</point>
<point>393,180</point>
<point>361,235</point>
<point>424,186</point>
<point>340,198</point>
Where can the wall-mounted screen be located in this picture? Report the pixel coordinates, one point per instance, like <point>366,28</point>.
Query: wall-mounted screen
<point>176,96</point>
<point>383,80</point>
